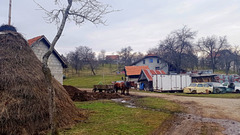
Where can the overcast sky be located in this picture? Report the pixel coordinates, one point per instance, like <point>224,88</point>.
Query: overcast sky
<point>140,24</point>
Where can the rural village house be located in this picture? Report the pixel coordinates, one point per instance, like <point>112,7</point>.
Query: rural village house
<point>153,62</point>
<point>146,78</point>
<point>112,59</point>
<point>56,64</point>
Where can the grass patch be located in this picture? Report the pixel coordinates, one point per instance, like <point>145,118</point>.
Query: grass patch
<point>159,104</point>
<point>89,81</point>
<point>226,95</point>
<point>110,118</point>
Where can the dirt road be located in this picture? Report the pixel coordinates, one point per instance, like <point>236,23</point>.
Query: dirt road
<point>203,115</point>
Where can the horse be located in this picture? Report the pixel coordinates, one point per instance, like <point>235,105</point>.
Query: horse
<point>123,86</point>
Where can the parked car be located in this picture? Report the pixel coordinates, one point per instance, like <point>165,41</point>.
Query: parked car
<point>198,88</point>
<point>232,87</point>
<point>217,87</point>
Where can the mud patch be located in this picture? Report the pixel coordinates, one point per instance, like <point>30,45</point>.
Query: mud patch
<point>79,95</point>
<point>127,101</point>
<point>231,127</point>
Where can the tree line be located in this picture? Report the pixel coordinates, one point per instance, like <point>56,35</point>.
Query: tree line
<point>180,48</point>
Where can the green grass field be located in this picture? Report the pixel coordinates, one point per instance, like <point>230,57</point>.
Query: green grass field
<point>89,81</point>
<point>109,118</point>
<point>104,75</point>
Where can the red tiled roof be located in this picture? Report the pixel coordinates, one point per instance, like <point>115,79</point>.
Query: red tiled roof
<point>152,55</point>
<point>149,73</point>
<point>134,70</point>
<point>112,57</point>
<point>33,40</point>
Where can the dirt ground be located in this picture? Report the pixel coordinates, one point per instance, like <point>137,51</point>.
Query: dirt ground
<point>207,116</point>
<point>87,94</point>
<point>210,116</point>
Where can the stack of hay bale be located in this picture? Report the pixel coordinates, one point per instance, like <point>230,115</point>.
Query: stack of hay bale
<point>23,91</point>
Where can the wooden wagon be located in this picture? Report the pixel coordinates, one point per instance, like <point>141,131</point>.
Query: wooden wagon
<point>104,88</point>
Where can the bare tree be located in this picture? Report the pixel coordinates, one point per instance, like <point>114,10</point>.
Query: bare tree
<point>85,10</point>
<point>101,57</point>
<point>175,47</point>
<point>126,56</point>
<point>75,61</point>
<point>88,57</point>
<point>137,56</point>
<point>226,57</point>
<point>184,44</point>
<point>212,46</point>
<point>236,58</point>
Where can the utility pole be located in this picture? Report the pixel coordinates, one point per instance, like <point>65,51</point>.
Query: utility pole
<point>9,14</point>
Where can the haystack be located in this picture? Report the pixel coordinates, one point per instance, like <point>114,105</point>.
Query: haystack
<point>23,91</point>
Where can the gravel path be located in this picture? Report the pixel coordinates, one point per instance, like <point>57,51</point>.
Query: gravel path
<point>206,114</point>
<point>221,108</point>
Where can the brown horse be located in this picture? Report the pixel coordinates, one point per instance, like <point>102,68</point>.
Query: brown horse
<point>123,86</point>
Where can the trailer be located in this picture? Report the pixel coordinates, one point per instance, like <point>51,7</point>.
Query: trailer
<point>171,83</point>
<point>105,88</point>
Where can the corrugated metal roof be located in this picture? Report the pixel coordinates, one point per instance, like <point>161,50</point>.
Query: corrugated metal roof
<point>149,73</point>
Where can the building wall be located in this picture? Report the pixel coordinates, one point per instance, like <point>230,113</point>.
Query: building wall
<point>54,64</point>
<point>153,64</point>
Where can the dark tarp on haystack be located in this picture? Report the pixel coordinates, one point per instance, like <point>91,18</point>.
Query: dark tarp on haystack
<point>23,93</point>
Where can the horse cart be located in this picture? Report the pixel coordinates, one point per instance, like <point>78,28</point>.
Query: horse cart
<point>105,88</point>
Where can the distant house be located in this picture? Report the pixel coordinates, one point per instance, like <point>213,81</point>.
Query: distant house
<point>146,78</point>
<point>113,59</point>
<point>40,46</point>
<point>153,62</point>
<point>132,72</point>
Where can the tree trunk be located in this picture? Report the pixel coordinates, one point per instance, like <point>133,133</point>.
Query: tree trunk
<point>92,69</point>
<point>52,106</point>
<point>47,72</point>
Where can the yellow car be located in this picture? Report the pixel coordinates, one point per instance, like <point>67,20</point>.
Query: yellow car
<point>198,88</point>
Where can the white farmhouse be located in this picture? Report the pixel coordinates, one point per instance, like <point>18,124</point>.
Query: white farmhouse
<point>40,46</point>
<point>153,62</point>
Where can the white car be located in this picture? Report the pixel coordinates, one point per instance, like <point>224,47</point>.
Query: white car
<point>234,85</point>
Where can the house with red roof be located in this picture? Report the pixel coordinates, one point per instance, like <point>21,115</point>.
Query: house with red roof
<point>112,59</point>
<point>132,72</point>
<point>146,78</point>
<point>40,46</point>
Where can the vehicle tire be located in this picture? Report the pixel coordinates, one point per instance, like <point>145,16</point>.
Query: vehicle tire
<point>237,91</point>
<point>217,91</point>
<point>194,92</point>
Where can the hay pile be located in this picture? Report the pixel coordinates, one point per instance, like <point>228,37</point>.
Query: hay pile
<point>79,95</point>
<point>23,91</point>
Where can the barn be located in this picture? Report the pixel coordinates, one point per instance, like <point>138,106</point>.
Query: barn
<point>146,80</point>
<point>132,72</point>
<point>40,46</point>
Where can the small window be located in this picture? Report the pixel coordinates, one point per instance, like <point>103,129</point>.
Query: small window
<point>157,60</point>
<point>192,85</point>
<point>200,85</point>
<point>150,60</point>
<point>157,68</point>
<point>206,85</point>
<point>143,61</point>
